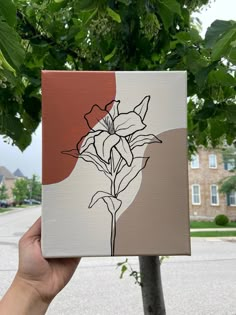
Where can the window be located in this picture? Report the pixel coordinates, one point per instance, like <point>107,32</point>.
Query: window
<point>196,197</point>
<point>212,161</point>
<point>195,161</point>
<point>231,198</point>
<point>214,195</point>
<point>229,164</point>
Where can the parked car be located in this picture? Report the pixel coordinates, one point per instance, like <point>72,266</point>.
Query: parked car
<point>3,204</point>
<point>31,202</point>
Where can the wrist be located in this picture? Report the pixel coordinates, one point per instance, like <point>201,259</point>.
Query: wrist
<point>23,298</point>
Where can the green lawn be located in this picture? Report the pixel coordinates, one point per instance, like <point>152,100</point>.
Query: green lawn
<point>208,225</point>
<point>4,209</point>
<point>213,234</point>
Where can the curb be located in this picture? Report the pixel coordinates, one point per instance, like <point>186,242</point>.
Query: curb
<point>15,209</point>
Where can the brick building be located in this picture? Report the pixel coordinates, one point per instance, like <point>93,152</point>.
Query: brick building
<point>206,170</point>
<point>7,179</point>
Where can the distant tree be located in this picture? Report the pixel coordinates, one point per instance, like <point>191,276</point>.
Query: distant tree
<point>20,190</point>
<point>3,192</point>
<point>228,184</point>
<point>34,188</point>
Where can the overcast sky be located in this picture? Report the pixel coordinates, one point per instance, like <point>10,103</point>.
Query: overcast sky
<point>30,161</point>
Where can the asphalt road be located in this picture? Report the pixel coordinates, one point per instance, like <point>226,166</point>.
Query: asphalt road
<point>202,284</point>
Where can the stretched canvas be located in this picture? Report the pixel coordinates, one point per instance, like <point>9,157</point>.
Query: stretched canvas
<point>114,164</point>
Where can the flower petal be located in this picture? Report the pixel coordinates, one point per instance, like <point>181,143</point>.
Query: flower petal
<point>113,108</point>
<point>103,144</point>
<point>72,152</point>
<point>128,123</point>
<point>142,108</point>
<point>98,119</point>
<point>123,148</point>
<point>86,141</point>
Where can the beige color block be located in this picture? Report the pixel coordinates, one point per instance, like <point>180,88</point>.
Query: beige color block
<point>157,221</point>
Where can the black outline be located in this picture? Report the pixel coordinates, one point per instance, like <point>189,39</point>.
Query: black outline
<point>134,145</point>
<point>103,110</point>
<point>145,163</point>
<point>147,96</point>
<point>114,170</point>
<point>106,108</point>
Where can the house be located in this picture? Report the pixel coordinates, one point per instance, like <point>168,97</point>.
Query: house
<point>7,179</point>
<point>206,169</point>
<point>19,174</point>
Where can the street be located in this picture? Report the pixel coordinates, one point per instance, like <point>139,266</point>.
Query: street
<point>204,283</point>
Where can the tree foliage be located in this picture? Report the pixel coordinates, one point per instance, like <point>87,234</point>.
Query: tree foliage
<point>116,35</point>
<point>3,192</point>
<point>20,190</point>
<point>34,188</point>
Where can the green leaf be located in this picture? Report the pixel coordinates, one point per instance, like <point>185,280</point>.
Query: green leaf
<point>126,2</point>
<point>122,262</point>
<point>222,46</point>
<point>166,16</point>
<point>232,56</point>
<point>191,36</point>
<point>5,64</point>
<point>114,15</point>
<point>183,37</point>
<point>217,129</point>
<point>123,270</point>
<point>194,61</point>
<point>8,11</point>
<point>202,75</point>
<point>172,5</point>
<point>10,45</point>
<point>167,10</point>
<point>216,30</point>
<point>112,54</point>
<point>87,4</point>
<point>221,78</point>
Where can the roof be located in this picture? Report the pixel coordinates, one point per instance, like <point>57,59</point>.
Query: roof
<point>18,173</point>
<point>6,173</point>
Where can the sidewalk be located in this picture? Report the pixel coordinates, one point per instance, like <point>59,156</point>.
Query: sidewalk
<point>213,230</point>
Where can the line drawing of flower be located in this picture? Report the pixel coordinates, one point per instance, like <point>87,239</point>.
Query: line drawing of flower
<point>109,145</point>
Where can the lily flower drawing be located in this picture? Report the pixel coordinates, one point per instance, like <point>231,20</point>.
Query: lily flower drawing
<point>110,147</point>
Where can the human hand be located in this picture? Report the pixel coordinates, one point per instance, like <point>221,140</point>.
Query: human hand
<point>47,276</point>
<point>38,280</point>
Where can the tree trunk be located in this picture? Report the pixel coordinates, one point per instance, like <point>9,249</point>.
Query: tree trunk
<point>153,299</point>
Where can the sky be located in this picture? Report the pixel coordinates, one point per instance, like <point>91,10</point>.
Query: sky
<point>30,161</point>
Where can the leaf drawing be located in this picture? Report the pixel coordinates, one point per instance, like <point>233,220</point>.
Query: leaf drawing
<point>109,146</point>
<point>128,174</point>
<point>143,139</point>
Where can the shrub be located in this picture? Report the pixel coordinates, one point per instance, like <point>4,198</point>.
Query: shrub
<point>221,219</point>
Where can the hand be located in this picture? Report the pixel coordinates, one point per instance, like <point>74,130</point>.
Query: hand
<point>38,277</point>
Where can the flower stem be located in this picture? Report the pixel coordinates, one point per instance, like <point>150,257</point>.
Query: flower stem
<point>113,174</point>
<point>113,233</point>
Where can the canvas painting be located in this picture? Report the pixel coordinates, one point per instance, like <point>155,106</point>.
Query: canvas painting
<point>115,176</point>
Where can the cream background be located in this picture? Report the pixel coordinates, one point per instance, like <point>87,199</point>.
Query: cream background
<point>69,227</point>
